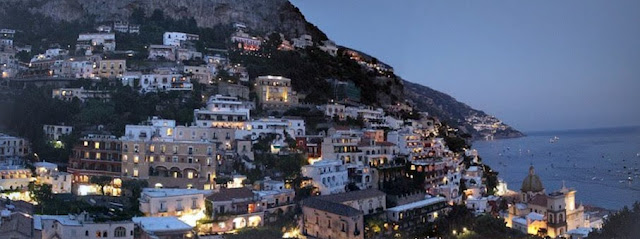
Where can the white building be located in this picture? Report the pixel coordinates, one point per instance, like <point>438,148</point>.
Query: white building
<point>13,147</point>
<point>164,80</point>
<point>47,173</point>
<point>89,41</point>
<point>264,126</point>
<point>162,52</point>
<point>178,38</point>
<point>343,145</point>
<point>334,110</point>
<point>329,47</point>
<point>172,202</point>
<point>329,176</point>
<point>80,69</point>
<point>67,94</point>
<point>14,177</point>
<point>223,111</point>
<point>303,41</point>
<point>200,73</point>
<point>163,228</point>
<point>54,132</point>
<point>245,41</point>
<point>79,226</point>
<point>6,37</point>
<point>426,210</point>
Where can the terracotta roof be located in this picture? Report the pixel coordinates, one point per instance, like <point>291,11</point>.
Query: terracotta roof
<point>17,223</point>
<point>353,195</point>
<point>540,200</point>
<point>331,207</point>
<point>228,194</point>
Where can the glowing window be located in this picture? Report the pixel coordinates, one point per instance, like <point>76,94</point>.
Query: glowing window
<point>97,145</point>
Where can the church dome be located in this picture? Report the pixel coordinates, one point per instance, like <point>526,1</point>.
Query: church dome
<point>532,182</point>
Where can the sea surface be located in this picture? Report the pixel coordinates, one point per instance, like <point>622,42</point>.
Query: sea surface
<point>603,165</point>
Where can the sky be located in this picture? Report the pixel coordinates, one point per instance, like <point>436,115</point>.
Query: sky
<point>536,65</point>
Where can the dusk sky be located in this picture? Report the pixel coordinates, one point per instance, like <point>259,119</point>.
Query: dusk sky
<point>537,65</point>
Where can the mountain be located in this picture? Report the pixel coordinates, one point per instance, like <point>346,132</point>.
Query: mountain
<point>475,122</point>
<point>262,17</point>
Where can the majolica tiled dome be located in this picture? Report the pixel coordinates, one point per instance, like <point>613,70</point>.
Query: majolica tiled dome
<point>532,182</point>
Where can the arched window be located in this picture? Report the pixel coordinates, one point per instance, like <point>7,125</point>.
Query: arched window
<point>551,218</point>
<point>120,232</point>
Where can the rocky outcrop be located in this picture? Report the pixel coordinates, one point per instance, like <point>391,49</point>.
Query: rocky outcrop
<point>260,15</point>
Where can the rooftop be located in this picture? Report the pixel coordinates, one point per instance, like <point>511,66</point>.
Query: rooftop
<point>332,207</point>
<point>418,204</point>
<point>172,192</point>
<point>353,195</point>
<point>539,200</point>
<point>535,216</point>
<point>161,224</point>
<point>228,194</point>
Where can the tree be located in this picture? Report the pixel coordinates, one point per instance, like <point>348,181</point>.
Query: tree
<point>40,193</point>
<point>622,224</point>
<point>491,227</point>
<point>101,181</point>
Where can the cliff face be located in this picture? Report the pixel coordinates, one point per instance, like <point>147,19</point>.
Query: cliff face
<point>260,15</point>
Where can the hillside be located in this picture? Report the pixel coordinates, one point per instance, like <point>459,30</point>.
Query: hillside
<point>468,119</point>
<point>212,19</point>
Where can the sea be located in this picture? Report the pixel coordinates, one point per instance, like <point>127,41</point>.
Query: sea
<point>602,165</point>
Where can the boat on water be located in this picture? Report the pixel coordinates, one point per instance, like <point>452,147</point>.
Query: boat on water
<point>554,139</point>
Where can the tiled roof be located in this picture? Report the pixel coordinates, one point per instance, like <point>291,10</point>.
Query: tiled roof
<point>353,195</point>
<point>539,200</point>
<point>331,207</point>
<point>228,194</point>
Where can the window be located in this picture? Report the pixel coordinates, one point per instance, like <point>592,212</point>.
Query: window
<point>120,232</point>
<point>194,203</point>
<point>135,172</point>
<point>124,158</point>
<point>86,143</point>
<point>190,175</point>
<point>151,159</point>
<point>104,234</point>
<point>136,159</point>
<point>96,145</point>
<point>152,148</point>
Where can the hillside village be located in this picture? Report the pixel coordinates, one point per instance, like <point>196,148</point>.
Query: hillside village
<point>186,139</point>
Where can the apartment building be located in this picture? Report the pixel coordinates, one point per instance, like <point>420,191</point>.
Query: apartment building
<point>95,155</point>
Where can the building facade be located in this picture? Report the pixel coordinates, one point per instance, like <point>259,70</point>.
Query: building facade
<point>275,92</point>
<point>324,219</point>
<point>95,155</point>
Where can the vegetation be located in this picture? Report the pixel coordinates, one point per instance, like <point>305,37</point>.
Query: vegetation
<point>624,224</point>
<point>31,108</point>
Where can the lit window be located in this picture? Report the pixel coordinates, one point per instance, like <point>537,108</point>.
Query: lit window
<point>97,145</point>
<point>190,175</point>
<point>135,172</point>
<point>136,159</point>
<point>152,148</point>
<point>86,143</point>
<point>169,132</point>
<point>98,155</point>
<point>124,158</point>
<point>151,159</point>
